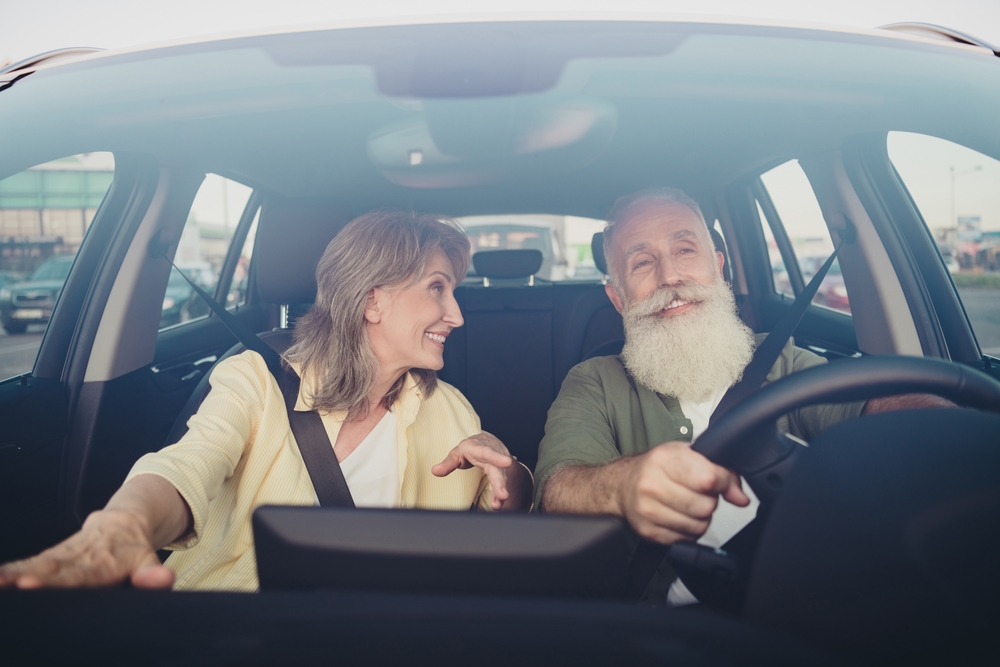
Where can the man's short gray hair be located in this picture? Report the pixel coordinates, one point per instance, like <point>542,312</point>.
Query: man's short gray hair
<point>623,206</point>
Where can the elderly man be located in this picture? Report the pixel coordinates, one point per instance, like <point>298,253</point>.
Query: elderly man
<point>618,436</point>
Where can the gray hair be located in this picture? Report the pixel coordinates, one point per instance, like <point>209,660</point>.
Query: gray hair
<point>624,205</point>
<point>378,249</point>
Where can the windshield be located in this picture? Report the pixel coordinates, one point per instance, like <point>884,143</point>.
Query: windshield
<point>53,270</point>
<point>590,110</point>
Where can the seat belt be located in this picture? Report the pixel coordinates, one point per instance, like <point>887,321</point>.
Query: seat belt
<point>649,555</point>
<point>314,445</point>
<point>770,349</point>
<point>307,427</point>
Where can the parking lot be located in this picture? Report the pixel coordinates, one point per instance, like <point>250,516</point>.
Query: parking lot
<point>17,353</point>
<point>981,307</point>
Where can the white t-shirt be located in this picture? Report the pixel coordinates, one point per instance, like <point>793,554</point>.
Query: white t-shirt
<point>728,518</point>
<point>371,470</point>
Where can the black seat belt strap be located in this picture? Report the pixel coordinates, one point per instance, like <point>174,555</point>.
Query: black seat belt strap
<point>649,555</point>
<point>307,427</point>
<point>314,445</point>
<point>242,332</point>
<point>770,349</point>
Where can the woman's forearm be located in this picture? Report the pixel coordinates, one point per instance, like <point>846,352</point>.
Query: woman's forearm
<point>156,504</point>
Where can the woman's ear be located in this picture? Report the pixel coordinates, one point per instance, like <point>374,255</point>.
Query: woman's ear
<point>373,305</point>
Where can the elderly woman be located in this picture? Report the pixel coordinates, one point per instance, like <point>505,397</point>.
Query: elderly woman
<point>367,353</point>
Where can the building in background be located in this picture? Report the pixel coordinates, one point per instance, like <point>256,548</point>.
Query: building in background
<point>46,210</point>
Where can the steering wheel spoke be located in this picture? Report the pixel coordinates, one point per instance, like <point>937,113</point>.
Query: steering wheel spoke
<point>773,462</point>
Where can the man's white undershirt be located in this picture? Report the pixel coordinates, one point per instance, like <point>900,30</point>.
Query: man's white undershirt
<point>728,518</point>
<point>372,470</point>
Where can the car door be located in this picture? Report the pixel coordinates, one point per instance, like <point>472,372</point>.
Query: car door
<point>84,206</point>
<point>131,413</point>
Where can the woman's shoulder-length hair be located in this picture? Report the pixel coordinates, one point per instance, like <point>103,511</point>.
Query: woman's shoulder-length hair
<point>379,249</point>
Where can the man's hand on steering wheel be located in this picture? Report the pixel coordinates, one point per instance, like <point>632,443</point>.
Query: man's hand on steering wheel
<point>670,492</point>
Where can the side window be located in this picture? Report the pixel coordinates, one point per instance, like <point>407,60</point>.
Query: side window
<point>957,191</point>
<point>795,221</point>
<point>45,213</point>
<point>208,233</point>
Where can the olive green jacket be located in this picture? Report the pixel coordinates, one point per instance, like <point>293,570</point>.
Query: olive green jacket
<point>602,414</point>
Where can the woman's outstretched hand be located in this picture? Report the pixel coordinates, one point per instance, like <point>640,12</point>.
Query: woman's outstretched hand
<point>115,544</point>
<point>511,482</point>
<point>112,547</point>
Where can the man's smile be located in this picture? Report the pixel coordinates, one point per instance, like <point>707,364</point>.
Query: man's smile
<point>678,306</point>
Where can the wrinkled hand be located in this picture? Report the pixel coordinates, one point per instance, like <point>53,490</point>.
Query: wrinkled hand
<point>671,491</point>
<point>486,452</point>
<point>111,547</point>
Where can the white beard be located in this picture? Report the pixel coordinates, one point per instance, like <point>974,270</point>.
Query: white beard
<point>690,355</point>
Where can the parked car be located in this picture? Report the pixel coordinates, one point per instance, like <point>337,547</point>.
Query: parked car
<point>9,278</point>
<point>880,545</point>
<point>32,301</point>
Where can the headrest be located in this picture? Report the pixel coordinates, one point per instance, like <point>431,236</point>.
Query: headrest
<point>499,264</point>
<point>597,248</point>
<point>291,237</point>
<point>720,245</point>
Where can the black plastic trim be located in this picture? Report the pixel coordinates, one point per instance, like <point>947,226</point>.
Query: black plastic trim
<point>751,244</point>
<point>780,236</point>
<point>235,248</point>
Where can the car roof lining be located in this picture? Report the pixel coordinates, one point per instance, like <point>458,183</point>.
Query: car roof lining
<point>708,109</point>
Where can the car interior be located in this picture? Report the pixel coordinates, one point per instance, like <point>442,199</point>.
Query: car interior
<point>323,129</point>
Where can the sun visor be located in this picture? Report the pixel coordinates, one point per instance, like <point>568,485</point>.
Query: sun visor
<point>473,60</point>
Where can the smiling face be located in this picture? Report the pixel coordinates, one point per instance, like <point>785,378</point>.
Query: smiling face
<point>409,324</point>
<point>683,337</point>
<point>661,244</point>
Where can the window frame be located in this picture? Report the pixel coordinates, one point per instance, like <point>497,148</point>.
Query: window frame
<point>233,252</point>
<point>222,287</point>
<point>777,227</point>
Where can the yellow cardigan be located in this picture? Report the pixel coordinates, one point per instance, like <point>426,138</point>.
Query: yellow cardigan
<point>239,453</point>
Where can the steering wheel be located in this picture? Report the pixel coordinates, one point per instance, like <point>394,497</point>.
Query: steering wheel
<point>744,438</point>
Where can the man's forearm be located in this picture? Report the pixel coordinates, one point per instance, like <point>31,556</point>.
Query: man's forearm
<point>905,402</point>
<point>583,489</point>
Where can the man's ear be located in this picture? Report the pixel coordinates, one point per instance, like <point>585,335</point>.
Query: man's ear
<point>374,303</point>
<point>616,298</point>
<point>720,260</point>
